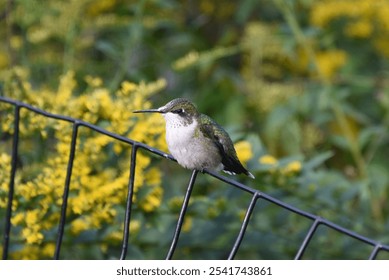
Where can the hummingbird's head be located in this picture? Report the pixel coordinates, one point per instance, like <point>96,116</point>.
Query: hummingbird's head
<point>178,112</point>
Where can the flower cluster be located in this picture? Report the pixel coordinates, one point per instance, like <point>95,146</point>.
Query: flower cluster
<point>101,167</point>
<point>362,19</point>
<point>289,168</point>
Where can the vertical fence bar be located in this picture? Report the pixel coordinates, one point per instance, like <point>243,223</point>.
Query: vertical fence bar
<point>14,158</point>
<point>243,228</point>
<point>62,220</point>
<point>130,194</point>
<point>375,252</point>
<point>308,238</point>
<point>182,215</point>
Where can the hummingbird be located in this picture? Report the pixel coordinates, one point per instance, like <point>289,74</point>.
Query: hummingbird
<point>196,141</point>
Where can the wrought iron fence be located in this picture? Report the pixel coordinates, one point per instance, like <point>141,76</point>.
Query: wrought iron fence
<point>256,195</point>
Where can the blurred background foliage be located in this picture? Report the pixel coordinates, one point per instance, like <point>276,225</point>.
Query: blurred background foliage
<point>301,86</point>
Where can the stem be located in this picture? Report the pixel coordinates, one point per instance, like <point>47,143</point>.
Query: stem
<point>9,32</point>
<point>133,40</point>
<point>68,56</point>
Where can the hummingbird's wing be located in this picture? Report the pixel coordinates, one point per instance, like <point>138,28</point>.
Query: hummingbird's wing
<point>222,140</point>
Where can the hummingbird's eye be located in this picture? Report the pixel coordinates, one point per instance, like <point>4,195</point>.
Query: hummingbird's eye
<point>178,111</point>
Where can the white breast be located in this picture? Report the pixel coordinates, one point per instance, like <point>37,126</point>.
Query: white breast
<point>177,134</point>
<point>184,143</point>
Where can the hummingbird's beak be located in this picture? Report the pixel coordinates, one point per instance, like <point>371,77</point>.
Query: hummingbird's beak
<point>148,111</point>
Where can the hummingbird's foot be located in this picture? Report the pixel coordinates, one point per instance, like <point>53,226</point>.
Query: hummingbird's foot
<point>202,170</point>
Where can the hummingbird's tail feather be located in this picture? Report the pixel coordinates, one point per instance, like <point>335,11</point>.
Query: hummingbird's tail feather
<point>235,167</point>
<point>250,175</point>
<point>229,172</point>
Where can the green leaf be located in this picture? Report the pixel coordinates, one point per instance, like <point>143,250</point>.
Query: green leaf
<point>318,160</point>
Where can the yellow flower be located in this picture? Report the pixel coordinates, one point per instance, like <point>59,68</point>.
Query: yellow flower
<point>153,176</point>
<point>195,58</point>
<point>186,61</point>
<point>5,163</point>
<point>115,236</point>
<point>188,223</point>
<point>79,225</point>
<point>134,227</point>
<point>268,160</point>
<point>329,62</point>
<point>37,35</point>
<point>28,252</point>
<point>48,249</point>
<point>292,167</point>
<point>98,7</point>
<point>382,45</point>
<point>32,236</point>
<point>32,218</point>
<point>145,90</point>
<point>153,200</point>
<point>127,87</point>
<point>79,204</point>
<point>4,60</point>
<point>66,86</point>
<point>17,218</point>
<point>323,12</point>
<point>359,29</point>
<point>175,203</point>
<point>241,215</point>
<point>16,42</point>
<point>244,151</point>
<point>94,81</point>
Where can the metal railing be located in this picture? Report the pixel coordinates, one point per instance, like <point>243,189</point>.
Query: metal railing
<point>255,194</point>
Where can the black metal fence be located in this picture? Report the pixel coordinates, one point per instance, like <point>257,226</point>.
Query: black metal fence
<point>255,194</point>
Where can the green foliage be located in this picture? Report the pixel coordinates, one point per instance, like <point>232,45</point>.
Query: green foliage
<point>301,86</point>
